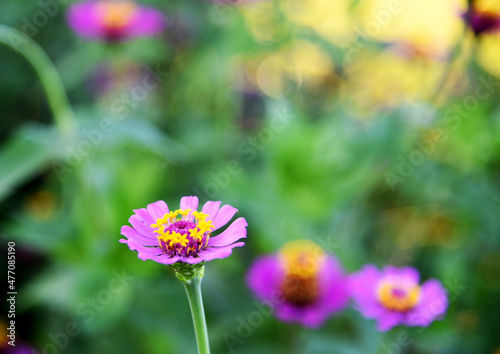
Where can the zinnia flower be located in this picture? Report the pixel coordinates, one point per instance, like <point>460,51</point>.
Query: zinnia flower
<point>114,20</point>
<point>183,235</point>
<point>394,297</point>
<point>301,283</point>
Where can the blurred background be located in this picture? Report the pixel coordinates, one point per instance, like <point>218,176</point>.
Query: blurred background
<point>370,127</point>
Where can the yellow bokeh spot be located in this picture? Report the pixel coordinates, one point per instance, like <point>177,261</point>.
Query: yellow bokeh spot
<point>330,19</point>
<point>300,61</point>
<point>263,21</point>
<point>390,78</point>
<point>489,53</point>
<point>41,205</point>
<point>431,25</point>
<point>487,6</point>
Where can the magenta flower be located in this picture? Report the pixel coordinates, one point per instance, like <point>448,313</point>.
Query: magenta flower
<point>301,283</point>
<point>114,20</point>
<point>183,235</point>
<point>394,297</point>
<point>482,21</point>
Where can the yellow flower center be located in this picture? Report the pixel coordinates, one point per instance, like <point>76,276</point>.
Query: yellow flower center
<point>301,261</point>
<point>302,258</point>
<point>116,14</point>
<point>398,296</point>
<point>181,235</point>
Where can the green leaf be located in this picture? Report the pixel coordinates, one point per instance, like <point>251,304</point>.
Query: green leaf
<point>28,151</point>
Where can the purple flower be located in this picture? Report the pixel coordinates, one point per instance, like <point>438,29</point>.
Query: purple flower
<point>114,20</point>
<point>184,235</point>
<point>394,297</point>
<point>301,283</point>
<point>482,21</point>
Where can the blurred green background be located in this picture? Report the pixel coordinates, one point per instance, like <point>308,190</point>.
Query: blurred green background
<point>371,127</point>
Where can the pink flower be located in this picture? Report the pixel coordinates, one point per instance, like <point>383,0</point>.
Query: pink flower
<point>301,283</point>
<point>183,235</point>
<point>114,20</point>
<point>394,297</point>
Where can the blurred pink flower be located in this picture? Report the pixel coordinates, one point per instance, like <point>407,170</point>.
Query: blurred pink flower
<point>301,283</point>
<point>114,20</point>
<point>394,297</point>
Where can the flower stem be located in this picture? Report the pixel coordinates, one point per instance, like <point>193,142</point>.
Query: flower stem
<point>192,284</point>
<point>47,73</point>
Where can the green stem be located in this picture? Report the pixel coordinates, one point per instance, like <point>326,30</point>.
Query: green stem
<point>47,73</point>
<point>192,284</point>
<point>54,90</point>
<point>455,53</point>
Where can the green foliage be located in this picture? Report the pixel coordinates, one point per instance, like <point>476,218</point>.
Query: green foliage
<point>302,164</point>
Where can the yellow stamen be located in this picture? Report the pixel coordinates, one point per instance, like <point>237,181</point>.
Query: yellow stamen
<point>174,238</point>
<point>199,215</point>
<point>184,213</point>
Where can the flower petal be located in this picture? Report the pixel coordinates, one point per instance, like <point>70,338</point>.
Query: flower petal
<point>144,253</point>
<point>433,304</point>
<point>218,252</point>
<point>313,317</point>
<point>82,20</point>
<point>166,259</point>
<point>191,260</point>
<point>158,210</point>
<point>189,203</point>
<point>389,320</point>
<point>147,22</point>
<point>225,214</point>
<point>144,215</point>
<point>362,288</point>
<point>264,278</point>
<point>141,226</point>
<point>132,235</point>
<point>287,312</point>
<point>409,273</point>
<point>334,293</point>
<point>362,284</point>
<point>234,232</point>
<point>211,209</point>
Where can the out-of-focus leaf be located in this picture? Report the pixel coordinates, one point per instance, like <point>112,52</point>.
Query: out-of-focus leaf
<point>25,154</point>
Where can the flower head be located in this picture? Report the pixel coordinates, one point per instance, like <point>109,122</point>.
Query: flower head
<point>393,296</point>
<point>183,235</point>
<point>301,282</point>
<point>482,21</point>
<point>114,20</point>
